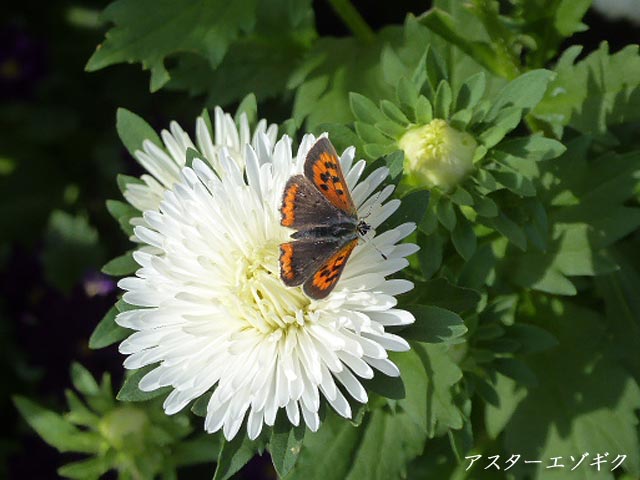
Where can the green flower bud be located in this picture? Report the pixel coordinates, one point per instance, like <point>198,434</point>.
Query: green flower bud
<point>437,155</point>
<point>125,428</point>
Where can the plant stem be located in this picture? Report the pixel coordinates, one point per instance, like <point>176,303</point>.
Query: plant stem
<point>352,19</point>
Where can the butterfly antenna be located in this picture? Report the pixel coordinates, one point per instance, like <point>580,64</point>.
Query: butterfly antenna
<point>370,208</point>
<point>364,240</point>
<point>384,257</point>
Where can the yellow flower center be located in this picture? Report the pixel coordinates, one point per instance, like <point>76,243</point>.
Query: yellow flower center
<point>259,297</point>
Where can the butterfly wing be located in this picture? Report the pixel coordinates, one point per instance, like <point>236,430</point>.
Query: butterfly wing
<point>300,259</point>
<point>322,167</point>
<point>303,205</point>
<point>325,278</point>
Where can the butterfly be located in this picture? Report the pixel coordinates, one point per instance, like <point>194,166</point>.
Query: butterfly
<point>319,206</point>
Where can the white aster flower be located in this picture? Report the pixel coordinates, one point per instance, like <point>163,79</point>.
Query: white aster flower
<point>216,316</point>
<point>164,165</point>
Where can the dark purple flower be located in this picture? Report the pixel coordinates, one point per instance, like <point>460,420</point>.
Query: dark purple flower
<point>96,283</point>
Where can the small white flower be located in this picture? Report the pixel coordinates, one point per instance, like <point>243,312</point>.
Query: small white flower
<point>164,165</point>
<point>216,316</point>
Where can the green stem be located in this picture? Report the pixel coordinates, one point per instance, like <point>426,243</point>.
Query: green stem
<point>352,19</point>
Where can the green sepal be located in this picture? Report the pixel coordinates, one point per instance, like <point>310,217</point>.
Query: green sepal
<point>471,91</point>
<point>393,113</point>
<point>249,107</point>
<point>133,131</point>
<point>364,109</point>
<point>442,100</point>
<point>121,266</point>
<point>129,392</point>
<point>285,444</point>
<point>123,213</point>
<point>107,332</point>
<point>235,454</point>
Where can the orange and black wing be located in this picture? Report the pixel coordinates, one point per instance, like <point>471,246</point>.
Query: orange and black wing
<point>320,284</point>
<point>300,259</point>
<point>322,167</point>
<point>304,206</point>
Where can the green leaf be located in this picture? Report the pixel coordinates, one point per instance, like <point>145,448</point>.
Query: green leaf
<point>91,468</point>
<point>471,91</point>
<point>464,238</point>
<point>394,113</point>
<point>123,213</point>
<point>201,449</point>
<point>370,134</point>
<point>434,325</point>
<point>107,332</point>
<point>442,100</point>
<point>129,392</point>
<point>125,180</point>
<point>430,253</point>
<point>391,129</point>
<point>71,250</point>
<point>379,449</point>
<point>576,253</point>
<point>199,407</point>
<point>55,430</point>
<point>595,94</point>
<point>531,338</point>
<point>573,412</point>
<point>395,164</point>
<point>133,131</point>
<point>513,180</point>
<point>329,452</point>
<point>335,67</point>
<point>505,121</point>
<point>444,294</point>
<point>533,272</point>
<point>386,386</point>
<point>517,370</point>
<point>83,381</point>
<point>407,95</point>
<point>510,394</point>
<point>235,454</point>
<point>478,269</point>
<point>248,108</point>
<point>622,305</point>
<point>121,266</point>
<point>146,32</point>
<point>446,213</point>
<point>461,197</point>
<point>483,205</point>
<point>451,29</point>
<point>284,445</point>
<point>412,209</point>
<point>424,111</point>
<point>546,24</point>
<point>342,136</point>
<point>523,92</point>
<point>430,374</point>
<point>364,109</point>
<point>78,413</point>
<point>261,61</point>
<point>535,147</point>
<point>509,229</point>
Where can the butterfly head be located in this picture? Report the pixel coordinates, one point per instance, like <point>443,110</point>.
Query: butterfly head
<point>362,228</point>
